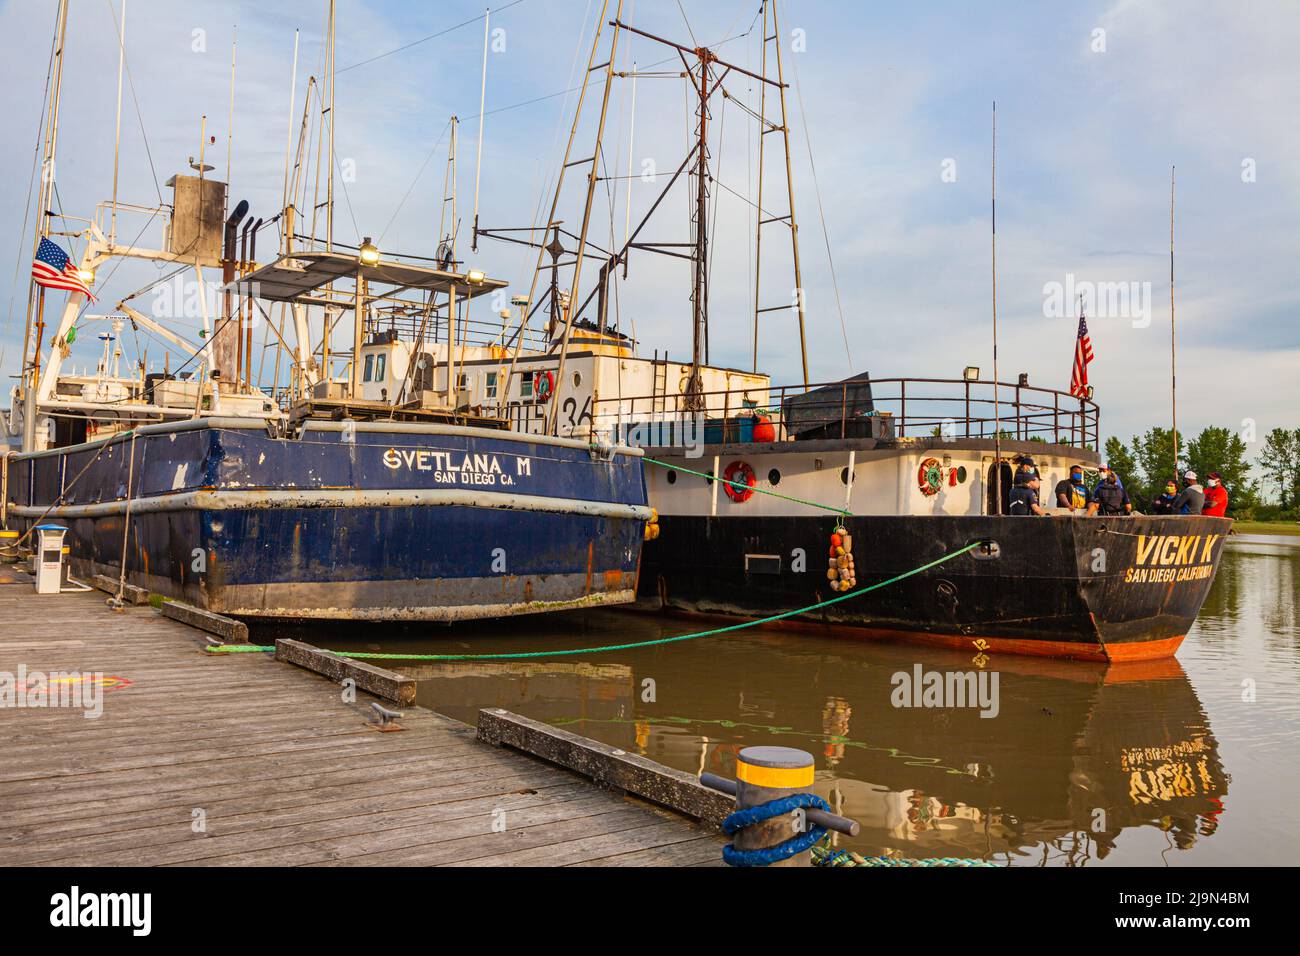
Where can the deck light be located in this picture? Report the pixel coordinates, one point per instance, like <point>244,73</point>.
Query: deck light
<point>369,253</point>
<point>86,275</point>
<point>475,276</point>
<point>971,373</point>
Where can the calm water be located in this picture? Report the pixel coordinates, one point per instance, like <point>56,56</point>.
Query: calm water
<point>1170,763</point>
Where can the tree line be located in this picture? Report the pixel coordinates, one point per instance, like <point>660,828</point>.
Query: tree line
<point>1148,461</point>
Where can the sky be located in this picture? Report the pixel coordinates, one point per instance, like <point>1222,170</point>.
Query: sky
<point>893,103</point>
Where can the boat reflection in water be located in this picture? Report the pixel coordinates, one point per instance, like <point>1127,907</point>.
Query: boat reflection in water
<point>1078,758</point>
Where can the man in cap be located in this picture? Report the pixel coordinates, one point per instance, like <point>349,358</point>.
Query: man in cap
<point>1024,496</point>
<point>1191,500</point>
<point>1025,467</point>
<point>1216,496</point>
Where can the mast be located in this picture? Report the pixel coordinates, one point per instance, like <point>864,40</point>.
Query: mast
<point>592,176</point>
<point>765,127</point>
<point>230,125</point>
<point>997,407</point>
<point>1173,357</point>
<point>36,294</point>
<point>482,103</point>
<point>117,135</point>
<point>286,225</point>
<point>700,226</point>
<point>329,180</point>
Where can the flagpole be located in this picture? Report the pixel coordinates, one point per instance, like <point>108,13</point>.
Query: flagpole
<point>1173,360</point>
<point>997,408</point>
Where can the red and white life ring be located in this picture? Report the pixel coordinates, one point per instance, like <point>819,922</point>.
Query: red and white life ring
<point>929,477</point>
<point>741,474</point>
<point>543,385</point>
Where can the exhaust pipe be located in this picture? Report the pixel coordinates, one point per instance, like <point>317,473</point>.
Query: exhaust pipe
<point>232,226</point>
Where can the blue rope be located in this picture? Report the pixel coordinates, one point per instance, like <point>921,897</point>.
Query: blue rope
<point>766,856</point>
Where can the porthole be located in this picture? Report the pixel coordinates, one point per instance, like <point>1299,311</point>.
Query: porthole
<point>844,476</point>
<point>708,479</point>
<point>577,379</point>
<point>774,477</point>
<point>672,477</point>
<point>961,474</point>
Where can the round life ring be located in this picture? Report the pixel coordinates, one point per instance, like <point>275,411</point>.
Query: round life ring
<point>929,477</point>
<point>543,385</point>
<point>740,473</point>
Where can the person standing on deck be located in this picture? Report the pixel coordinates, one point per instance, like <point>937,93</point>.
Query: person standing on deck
<point>1025,468</point>
<point>1071,493</point>
<point>1109,497</point>
<point>1024,496</point>
<point>1163,504</point>
<point>1191,500</point>
<point>1216,496</point>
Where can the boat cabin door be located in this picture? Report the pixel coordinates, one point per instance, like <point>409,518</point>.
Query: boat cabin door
<point>991,506</point>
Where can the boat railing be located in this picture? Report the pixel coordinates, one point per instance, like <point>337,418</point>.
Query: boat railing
<point>884,408</point>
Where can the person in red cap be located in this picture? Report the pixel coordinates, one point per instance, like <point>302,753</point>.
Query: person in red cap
<point>1216,496</point>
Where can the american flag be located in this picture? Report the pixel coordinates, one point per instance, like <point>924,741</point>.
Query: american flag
<point>1082,356</point>
<point>53,269</point>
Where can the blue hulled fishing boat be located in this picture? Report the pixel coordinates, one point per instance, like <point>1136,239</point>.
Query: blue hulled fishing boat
<point>377,455</point>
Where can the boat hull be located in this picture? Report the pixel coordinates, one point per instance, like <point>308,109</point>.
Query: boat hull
<point>378,523</point>
<point>1112,589</point>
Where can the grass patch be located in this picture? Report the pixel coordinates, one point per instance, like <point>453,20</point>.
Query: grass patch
<point>1267,527</point>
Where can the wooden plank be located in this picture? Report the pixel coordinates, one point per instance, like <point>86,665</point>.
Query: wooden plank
<point>607,765</point>
<point>378,681</point>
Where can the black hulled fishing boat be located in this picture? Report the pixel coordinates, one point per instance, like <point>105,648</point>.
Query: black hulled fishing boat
<point>771,499</point>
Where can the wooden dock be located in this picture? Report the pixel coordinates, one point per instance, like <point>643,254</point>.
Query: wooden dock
<point>242,760</point>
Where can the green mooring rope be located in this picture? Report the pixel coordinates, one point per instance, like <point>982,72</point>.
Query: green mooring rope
<point>527,655</point>
<point>745,487</point>
<point>825,855</point>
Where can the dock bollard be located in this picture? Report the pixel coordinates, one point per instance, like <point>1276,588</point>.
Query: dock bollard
<point>768,775</point>
<point>764,774</point>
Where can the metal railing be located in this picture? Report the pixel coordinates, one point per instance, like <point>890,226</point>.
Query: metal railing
<point>878,408</point>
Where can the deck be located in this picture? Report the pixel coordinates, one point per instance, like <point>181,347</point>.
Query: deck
<point>240,760</point>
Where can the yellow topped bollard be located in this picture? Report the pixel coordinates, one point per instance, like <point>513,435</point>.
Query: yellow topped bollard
<point>764,774</point>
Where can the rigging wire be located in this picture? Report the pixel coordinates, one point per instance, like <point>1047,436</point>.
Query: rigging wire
<point>431,36</point>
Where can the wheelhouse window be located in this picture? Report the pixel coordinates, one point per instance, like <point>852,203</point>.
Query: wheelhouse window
<point>381,367</point>
<point>370,365</point>
<point>490,384</point>
<point>526,385</point>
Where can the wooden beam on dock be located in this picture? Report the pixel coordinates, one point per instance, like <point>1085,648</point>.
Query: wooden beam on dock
<point>130,593</point>
<point>608,766</point>
<point>226,628</point>
<point>378,681</point>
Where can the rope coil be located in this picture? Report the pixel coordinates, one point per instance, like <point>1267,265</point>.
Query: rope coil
<point>766,856</point>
